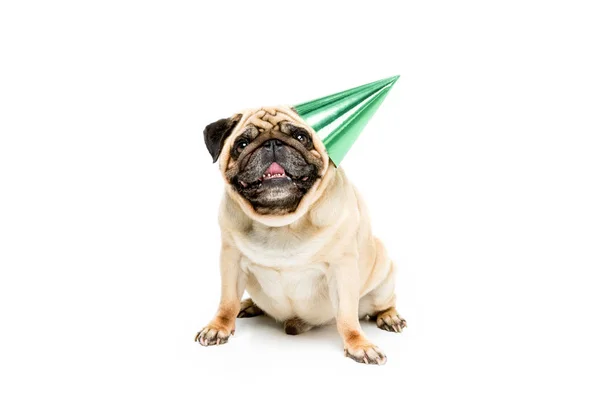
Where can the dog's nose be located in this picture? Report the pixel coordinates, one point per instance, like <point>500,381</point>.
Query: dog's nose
<point>273,144</point>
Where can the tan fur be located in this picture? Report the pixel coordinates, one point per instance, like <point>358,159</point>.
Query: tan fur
<point>248,309</point>
<point>319,264</point>
<point>390,320</point>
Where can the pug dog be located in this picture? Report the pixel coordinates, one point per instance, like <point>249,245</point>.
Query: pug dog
<point>295,234</point>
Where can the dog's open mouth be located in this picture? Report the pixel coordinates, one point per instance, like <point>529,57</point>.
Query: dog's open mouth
<point>274,172</point>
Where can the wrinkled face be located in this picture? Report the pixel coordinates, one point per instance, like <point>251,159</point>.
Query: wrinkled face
<point>272,160</point>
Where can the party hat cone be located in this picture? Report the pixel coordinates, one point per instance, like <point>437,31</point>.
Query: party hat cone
<point>339,118</point>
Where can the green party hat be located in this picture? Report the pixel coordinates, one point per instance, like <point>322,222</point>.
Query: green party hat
<point>339,118</point>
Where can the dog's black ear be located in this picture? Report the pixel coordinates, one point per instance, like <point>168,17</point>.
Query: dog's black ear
<point>216,133</point>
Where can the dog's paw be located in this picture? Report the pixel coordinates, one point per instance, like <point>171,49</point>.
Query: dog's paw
<point>389,320</point>
<point>366,353</point>
<point>248,309</point>
<point>212,335</point>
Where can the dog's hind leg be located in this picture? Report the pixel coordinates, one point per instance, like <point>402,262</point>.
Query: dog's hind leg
<point>249,309</point>
<point>380,304</point>
<point>296,326</point>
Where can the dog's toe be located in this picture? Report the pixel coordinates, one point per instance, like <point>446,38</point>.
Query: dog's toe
<point>366,354</point>
<point>211,336</point>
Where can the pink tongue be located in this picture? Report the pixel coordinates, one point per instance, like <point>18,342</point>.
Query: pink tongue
<point>275,169</point>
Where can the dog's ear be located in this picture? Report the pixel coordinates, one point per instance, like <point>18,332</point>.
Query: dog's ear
<point>216,133</point>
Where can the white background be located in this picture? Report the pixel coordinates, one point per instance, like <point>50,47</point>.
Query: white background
<point>481,171</point>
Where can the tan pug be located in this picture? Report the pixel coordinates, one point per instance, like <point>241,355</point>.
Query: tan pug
<point>295,235</point>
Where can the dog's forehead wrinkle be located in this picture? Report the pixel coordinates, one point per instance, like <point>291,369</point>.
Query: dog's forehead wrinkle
<point>249,130</point>
<point>268,118</point>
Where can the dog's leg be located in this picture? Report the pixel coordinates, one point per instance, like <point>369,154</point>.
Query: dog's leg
<point>345,293</point>
<point>379,304</point>
<point>296,326</point>
<point>249,309</point>
<point>233,283</point>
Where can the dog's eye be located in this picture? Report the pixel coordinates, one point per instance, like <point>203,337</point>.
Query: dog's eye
<point>241,145</point>
<point>302,138</point>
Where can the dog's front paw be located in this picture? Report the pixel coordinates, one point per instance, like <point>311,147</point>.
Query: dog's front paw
<point>366,353</point>
<point>213,335</point>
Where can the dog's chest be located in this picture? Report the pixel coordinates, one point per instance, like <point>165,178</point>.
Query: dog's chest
<point>283,276</point>
<point>297,283</point>
<point>278,247</point>
<point>288,292</point>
